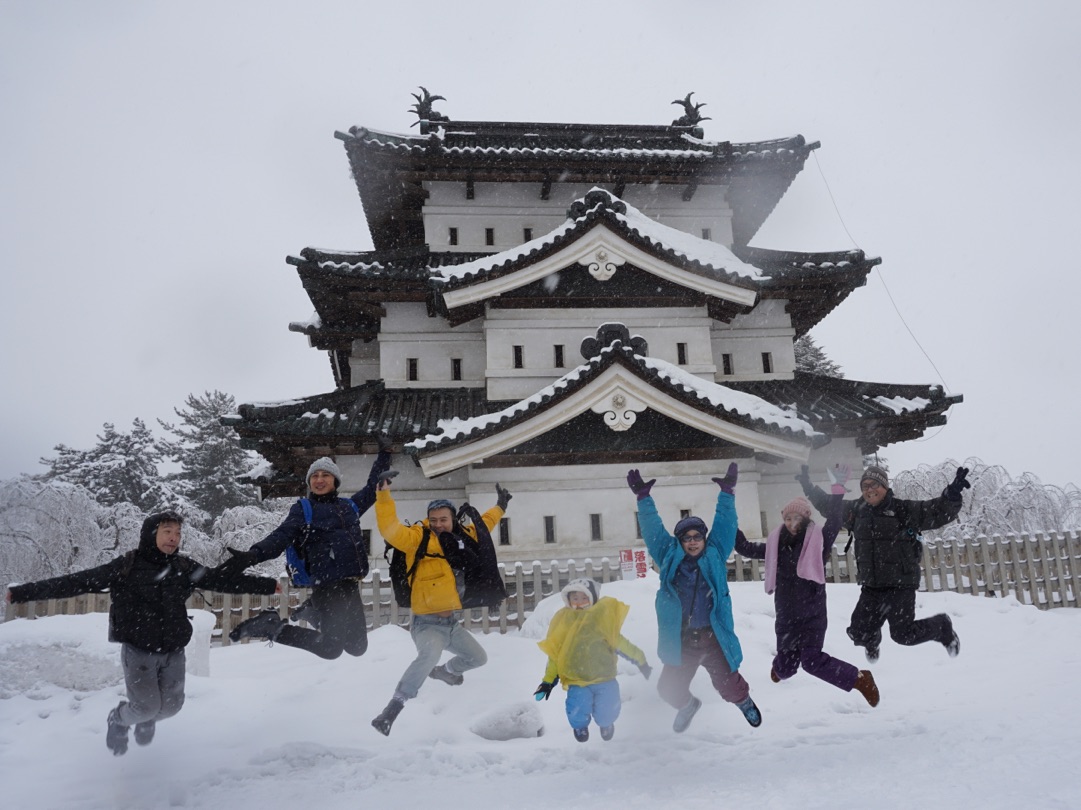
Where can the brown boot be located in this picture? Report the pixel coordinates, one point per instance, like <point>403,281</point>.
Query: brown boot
<point>773,675</point>
<point>865,685</point>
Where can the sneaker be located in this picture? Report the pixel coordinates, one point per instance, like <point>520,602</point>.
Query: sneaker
<point>144,732</point>
<point>386,719</point>
<point>581,734</point>
<point>608,732</point>
<point>866,686</point>
<point>441,673</point>
<point>685,715</point>
<point>266,625</point>
<point>953,646</point>
<point>750,711</point>
<point>116,735</point>
<point>773,676</point>
<point>872,653</point>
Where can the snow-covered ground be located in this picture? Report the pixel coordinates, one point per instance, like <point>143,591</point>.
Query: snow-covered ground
<point>998,727</point>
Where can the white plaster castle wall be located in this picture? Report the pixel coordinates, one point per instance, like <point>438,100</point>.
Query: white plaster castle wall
<point>407,332</point>
<point>539,330</point>
<point>766,328</point>
<point>510,208</point>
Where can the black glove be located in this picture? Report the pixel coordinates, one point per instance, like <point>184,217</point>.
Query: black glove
<point>544,691</point>
<point>804,476</point>
<point>960,483</point>
<point>502,497</point>
<point>383,440</point>
<point>639,487</point>
<point>645,669</point>
<point>237,563</point>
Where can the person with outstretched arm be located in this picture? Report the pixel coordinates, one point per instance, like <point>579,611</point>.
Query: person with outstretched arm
<point>886,531</point>
<point>335,556</point>
<point>148,616</point>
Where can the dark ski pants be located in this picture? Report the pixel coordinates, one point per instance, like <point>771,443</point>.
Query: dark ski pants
<point>155,684</point>
<point>876,606</point>
<point>701,650</point>
<point>804,649</point>
<point>343,627</point>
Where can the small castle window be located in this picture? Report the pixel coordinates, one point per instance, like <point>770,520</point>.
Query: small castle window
<point>558,356</point>
<point>595,528</point>
<point>726,364</point>
<point>504,531</point>
<point>519,357</point>
<point>767,362</point>
<point>527,234</point>
<point>549,529</point>
<point>707,233</point>
<point>412,366</point>
<point>456,368</point>
<point>489,236</point>
<point>452,236</point>
<point>681,354</point>
<point>684,513</point>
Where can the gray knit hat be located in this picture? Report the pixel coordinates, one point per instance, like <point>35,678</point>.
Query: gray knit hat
<point>326,465</point>
<point>876,474</point>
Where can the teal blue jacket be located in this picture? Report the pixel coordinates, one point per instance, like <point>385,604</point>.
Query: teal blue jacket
<point>668,553</point>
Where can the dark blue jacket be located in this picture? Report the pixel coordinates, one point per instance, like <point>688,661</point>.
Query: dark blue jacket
<point>332,549</point>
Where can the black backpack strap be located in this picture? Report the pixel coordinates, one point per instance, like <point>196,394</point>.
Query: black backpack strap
<point>422,551</point>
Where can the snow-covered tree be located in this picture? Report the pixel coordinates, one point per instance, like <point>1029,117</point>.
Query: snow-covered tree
<point>121,468</point>
<point>209,455</point>
<point>810,357</point>
<point>996,503</point>
<point>242,526</point>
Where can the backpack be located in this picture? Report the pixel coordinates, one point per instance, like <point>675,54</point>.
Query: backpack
<point>476,562</point>
<point>294,553</point>
<point>401,580</point>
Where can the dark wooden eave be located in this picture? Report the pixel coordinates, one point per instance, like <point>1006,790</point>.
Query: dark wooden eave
<point>390,169</point>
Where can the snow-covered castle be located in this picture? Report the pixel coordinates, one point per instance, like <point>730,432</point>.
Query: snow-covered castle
<point>549,305</point>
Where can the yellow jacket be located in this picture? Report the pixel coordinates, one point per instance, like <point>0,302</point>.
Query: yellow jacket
<point>582,644</point>
<point>434,588</point>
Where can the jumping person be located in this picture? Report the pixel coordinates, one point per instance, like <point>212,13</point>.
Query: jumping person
<point>435,601</point>
<point>795,554</point>
<point>335,556</point>
<point>886,530</point>
<point>148,616</point>
<point>694,607</point>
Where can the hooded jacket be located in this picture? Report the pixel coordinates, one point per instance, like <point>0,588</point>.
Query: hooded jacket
<point>332,548</point>
<point>712,563</point>
<point>148,590</point>
<point>434,587</point>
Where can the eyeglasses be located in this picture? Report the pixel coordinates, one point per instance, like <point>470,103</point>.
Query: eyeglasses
<point>869,485</point>
<point>691,537</point>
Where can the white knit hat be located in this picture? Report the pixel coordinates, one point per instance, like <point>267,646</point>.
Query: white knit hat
<point>584,585</point>
<point>326,465</point>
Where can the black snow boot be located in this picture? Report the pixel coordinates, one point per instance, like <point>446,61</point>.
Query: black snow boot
<point>306,612</point>
<point>441,673</point>
<point>750,711</point>
<point>144,732</point>
<point>386,719</point>
<point>266,625</point>
<point>581,734</point>
<point>116,735</point>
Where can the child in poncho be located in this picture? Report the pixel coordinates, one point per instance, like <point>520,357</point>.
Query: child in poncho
<point>583,641</point>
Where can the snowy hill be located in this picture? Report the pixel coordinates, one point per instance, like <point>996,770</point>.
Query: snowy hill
<point>997,727</point>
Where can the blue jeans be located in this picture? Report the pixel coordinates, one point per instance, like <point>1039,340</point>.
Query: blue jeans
<point>600,701</point>
<point>432,635</point>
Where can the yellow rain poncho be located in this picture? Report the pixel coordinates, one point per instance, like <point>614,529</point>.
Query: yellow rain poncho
<point>582,644</point>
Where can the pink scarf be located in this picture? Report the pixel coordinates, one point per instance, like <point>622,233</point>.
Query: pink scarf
<point>809,566</point>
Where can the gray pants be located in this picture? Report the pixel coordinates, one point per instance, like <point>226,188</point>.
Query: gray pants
<point>432,635</point>
<point>155,683</point>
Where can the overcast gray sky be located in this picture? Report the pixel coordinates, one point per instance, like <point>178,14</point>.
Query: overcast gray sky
<point>158,162</point>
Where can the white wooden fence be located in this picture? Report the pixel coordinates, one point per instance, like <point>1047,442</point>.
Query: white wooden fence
<point>1042,569</point>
